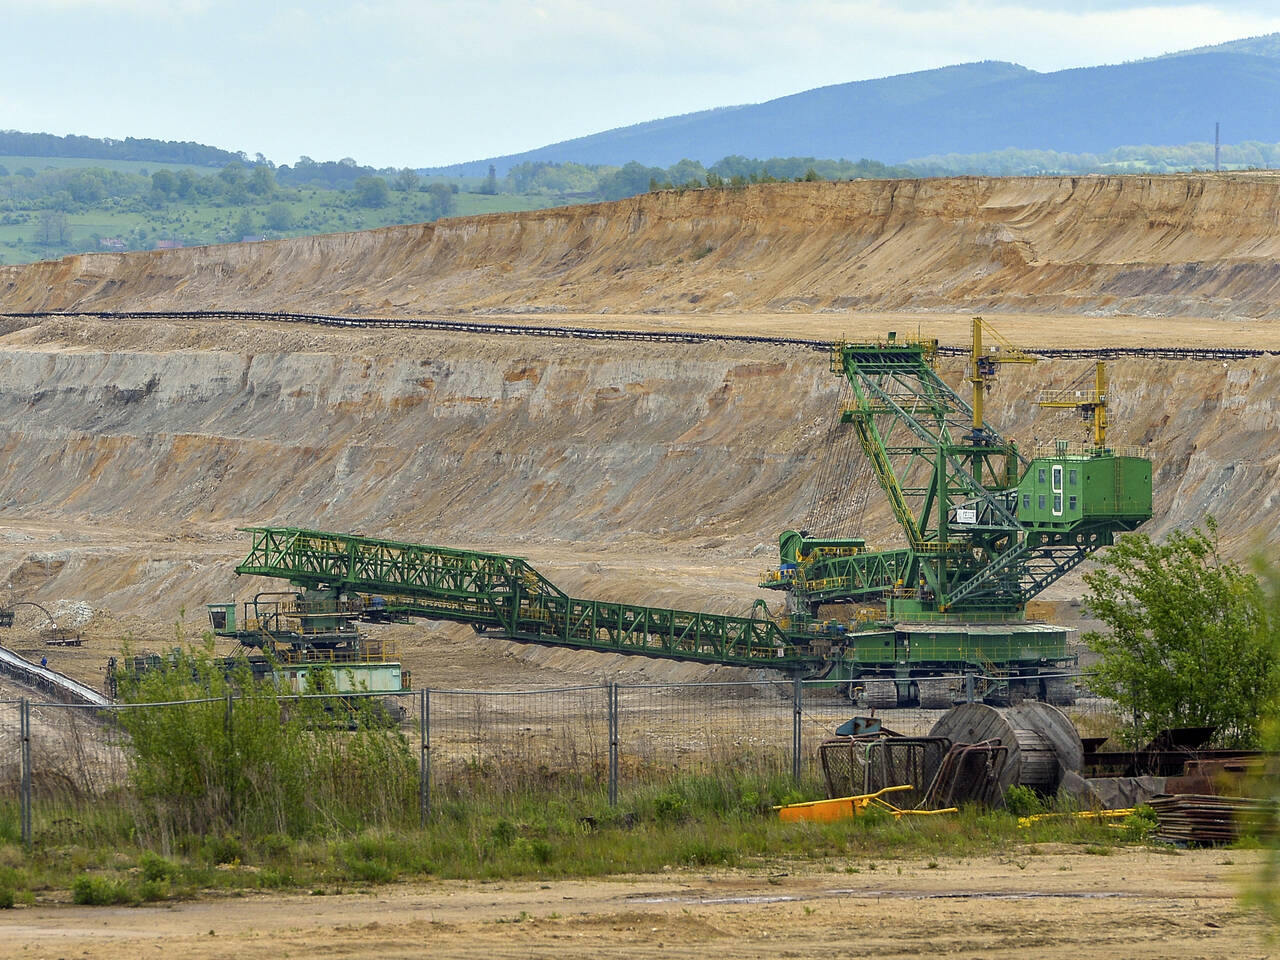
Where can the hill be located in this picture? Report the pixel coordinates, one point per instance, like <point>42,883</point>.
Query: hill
<point>964,109</point>
<point>15,143</point>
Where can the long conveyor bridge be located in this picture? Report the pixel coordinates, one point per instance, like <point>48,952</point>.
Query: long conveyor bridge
<point>506,597</point>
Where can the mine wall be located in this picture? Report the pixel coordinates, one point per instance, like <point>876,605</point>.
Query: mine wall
<point>1183,245</point>
<point>689,455</point>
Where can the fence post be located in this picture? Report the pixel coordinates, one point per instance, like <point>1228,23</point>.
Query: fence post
<point>24,725</point>
<point>424,756</point>
<point>797,704</point>
<point>611,692</point>
<point>968,688</point>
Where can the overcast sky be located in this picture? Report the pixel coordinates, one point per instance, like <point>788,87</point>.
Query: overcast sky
<point>432,82</point>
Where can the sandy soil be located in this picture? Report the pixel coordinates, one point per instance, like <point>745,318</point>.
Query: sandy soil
<point>1035,904</point>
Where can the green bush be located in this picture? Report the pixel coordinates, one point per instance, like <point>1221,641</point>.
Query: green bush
<point>1022,801</point>
<point>503,833</point>
<point>152,890</point>
<point>670,806</point>
<point>155,868</point>
<point>535,849</point>
<point>1140,824</point>
<point>370,871</point>
<point>229,755</point>
<point>6,898</point>
<point>222,849</point>
<point>89,890</point>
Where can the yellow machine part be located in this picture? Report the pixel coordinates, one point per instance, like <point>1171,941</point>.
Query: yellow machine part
<point>842,808</point>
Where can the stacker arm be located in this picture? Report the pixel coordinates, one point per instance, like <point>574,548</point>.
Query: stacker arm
<point>506,597</point>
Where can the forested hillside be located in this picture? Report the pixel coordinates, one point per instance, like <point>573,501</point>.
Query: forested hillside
<point>964,109</point>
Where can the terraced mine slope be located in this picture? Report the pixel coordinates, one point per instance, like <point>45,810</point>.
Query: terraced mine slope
<point>654,472</point>
<point>1197,246</point>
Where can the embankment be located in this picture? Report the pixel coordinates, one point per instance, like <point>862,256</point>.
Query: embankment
<point>1187,245</point>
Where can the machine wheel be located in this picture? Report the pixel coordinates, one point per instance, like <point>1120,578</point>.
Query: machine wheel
<point>936,694</point>
<point>1059,691</point>
<point>878,692</point>
<point>1023,688</point>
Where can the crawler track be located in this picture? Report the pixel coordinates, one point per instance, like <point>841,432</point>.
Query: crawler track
<point>497,328</point>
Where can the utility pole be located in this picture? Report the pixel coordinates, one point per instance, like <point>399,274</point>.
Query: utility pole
<point>1217,147</point>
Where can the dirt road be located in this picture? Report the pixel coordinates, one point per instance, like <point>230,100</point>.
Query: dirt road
<point>1061,904</point>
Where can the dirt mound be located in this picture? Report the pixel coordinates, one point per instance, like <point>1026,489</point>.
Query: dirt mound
<point>1193,245</point>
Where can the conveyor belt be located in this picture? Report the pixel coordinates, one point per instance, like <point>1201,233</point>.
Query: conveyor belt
<point>498,328</point>
<point>49,682</point>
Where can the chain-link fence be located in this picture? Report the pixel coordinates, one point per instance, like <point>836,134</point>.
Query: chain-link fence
<point>59,762</point>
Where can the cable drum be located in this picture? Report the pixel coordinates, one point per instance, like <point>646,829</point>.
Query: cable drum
<point>1043,744</point>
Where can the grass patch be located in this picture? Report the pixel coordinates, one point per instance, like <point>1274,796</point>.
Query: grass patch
<point>691,822</point>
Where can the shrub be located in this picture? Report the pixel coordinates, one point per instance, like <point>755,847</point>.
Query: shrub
<point>88,890</point>
<point>229,755</point>
<point>503,833</point>
<point>152,890</point>
<point>1140,824</point>
<point>670,806</point>
<point>535,849</point>
<point>370,871</point>
<point>155,868</point>
<point>1022,801</point>
<point>222,849</point>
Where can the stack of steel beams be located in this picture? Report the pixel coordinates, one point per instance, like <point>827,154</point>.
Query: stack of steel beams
<point>1197,819</point>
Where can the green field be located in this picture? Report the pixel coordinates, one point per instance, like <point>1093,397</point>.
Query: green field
<point>140,221</point>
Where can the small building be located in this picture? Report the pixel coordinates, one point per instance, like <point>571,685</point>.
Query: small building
<point>168,244</point>
<point>111,243</point>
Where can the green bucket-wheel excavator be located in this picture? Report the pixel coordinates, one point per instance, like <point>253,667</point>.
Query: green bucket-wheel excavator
<point>985,528</point>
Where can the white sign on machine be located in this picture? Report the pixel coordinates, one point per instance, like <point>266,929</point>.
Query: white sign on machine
<point>966,515</point>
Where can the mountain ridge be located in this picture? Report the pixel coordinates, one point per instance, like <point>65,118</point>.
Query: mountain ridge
<point>965,108</point>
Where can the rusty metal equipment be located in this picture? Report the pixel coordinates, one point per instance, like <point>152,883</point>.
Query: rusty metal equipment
<point>948,774</point>
<point>1204,820</point>
<point>969,774</point>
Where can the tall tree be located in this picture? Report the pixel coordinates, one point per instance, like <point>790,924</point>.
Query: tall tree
<point>53,228</point>
<point>371,192</point>
<point>442,200</point>
<point>1190,636</point>
<point>406,180</point>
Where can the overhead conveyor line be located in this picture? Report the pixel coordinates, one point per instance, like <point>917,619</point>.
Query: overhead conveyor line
<point>496,328</point>
<point>506,597</point>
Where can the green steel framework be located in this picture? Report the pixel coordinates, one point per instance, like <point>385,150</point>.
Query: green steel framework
<point>508,597</point>
<point>936,470</point>
<point>955,595</point>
